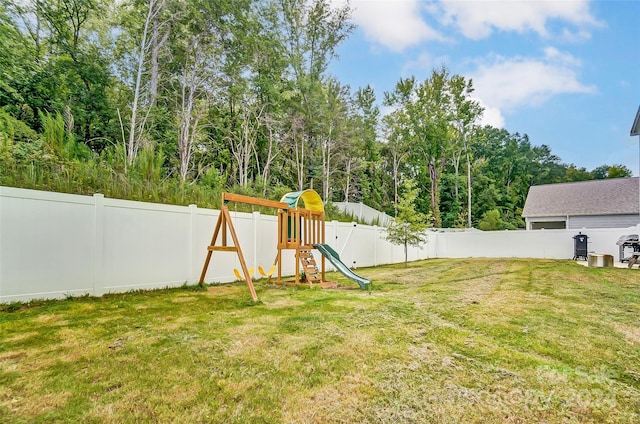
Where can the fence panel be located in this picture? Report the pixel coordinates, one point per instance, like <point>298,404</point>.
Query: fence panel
<point>145,245</point>
<point>53,245</point>
<point>47,244</point>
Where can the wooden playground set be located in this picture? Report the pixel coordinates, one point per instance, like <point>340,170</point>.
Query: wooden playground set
<point>301,229</point>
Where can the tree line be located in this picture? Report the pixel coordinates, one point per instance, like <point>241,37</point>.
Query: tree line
<point>178,100</point>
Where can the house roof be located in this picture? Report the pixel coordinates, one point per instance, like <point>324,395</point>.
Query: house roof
<point>615,196</point>
<point>635,128</point>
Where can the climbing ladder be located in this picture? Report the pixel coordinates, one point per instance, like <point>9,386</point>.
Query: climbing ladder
<point>309,266</point>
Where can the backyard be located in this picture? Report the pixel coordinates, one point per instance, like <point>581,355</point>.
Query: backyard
<point>442,340</point>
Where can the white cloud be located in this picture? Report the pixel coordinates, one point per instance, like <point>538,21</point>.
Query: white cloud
<point>491,115</point>
<point>478,19</point>
<point>553,55</point>
<point>398,24</point>
<point>423,64</point>
<point>395,25</point>
<point>569,36</point>
<point>512,83</point>
<point>503,85</point>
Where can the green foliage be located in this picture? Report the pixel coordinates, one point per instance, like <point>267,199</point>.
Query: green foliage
<point>53,132</point>
<point>491,221</point>
<point>409,226</point>
<point>611,171</point>
<point>15,130</point>
<point>334,213</point>
<point>429,120</point>
<point>505,166</point>
<point>148,165</point>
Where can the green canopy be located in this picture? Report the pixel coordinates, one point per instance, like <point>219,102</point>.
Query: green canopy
<point>310,198</point>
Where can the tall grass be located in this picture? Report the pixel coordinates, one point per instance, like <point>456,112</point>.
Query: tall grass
<point>54,161</point>
<point>28,165</point>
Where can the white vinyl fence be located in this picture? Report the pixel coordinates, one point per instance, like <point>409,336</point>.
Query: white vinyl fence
<point>364,213</point>
<point>54,245</point>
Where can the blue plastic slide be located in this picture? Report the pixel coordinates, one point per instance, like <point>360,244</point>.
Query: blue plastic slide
<point>334,258</point>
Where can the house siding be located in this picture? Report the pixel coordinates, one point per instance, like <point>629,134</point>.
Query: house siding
<point>603,221</point>
<point>547,222</point>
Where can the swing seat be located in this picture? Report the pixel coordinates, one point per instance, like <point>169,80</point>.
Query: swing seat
<point>265,274</point>
<point>240,277</point>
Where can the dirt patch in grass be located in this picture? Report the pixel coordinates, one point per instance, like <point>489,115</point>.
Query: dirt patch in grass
<point>347,399</point>
<point>475,290</point>
<point>284,303</point>
<point>55,319</point>
<point>246,345</point>
<point>12,361</point>
<point>224,289</point>
<point>425,353</point>
<point>184,299</point>
<point>631,334</point>
<point>47,402</point>
<point>21,337</point>
<point>358,346</point>
<point>176,324</point>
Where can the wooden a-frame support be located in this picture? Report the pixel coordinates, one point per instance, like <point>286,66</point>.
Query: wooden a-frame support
<point>224,222</point>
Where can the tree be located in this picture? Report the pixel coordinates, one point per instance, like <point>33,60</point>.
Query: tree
<point>209,63</point>
<point>426,112</point>
<point>332,134</point>
<point>573,174</point>
<point>238,92</point>
<point>193,106</point>
<point>77,65</point>
<point>397,137</point>
<point>466,113</point>
<point>243,142</point>
<point>506,166</point>
<point>309,33</point>
<point>366,126</point>
<point>14,59</point>
<point>408,228</point>
<point>150,44</point>
<point>611,171</point>
<point>492,221</point>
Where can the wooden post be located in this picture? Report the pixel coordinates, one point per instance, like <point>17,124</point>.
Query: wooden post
<point>209,250</point>
<point>278,259</point>
<point>297,277</point>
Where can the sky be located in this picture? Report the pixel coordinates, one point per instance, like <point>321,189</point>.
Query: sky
<point>564,72</point>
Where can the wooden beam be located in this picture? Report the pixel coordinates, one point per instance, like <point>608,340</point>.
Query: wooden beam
<point>232,197</point>
<point>222,248</point>
<point>279,259</point>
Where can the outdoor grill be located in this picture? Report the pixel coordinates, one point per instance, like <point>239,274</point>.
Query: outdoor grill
<point>580,246</point>
<point>629,249</point>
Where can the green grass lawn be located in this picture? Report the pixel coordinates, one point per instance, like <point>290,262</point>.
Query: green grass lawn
<point>443,341</point>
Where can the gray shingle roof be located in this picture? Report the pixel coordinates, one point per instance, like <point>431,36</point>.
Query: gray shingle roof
<point>597,197</point>
<point>635,128</point>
